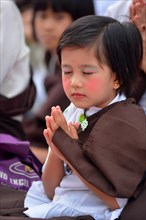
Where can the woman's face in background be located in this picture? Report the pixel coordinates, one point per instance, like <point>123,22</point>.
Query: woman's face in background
<point>49,26</point>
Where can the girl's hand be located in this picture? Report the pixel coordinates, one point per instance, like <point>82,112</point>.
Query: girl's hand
<point>55,121</point>
<point>48,136</point>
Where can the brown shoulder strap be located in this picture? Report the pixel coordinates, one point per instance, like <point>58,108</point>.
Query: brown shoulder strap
<point>20,103</point>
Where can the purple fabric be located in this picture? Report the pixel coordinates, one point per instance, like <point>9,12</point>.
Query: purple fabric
<point>18,167</point>
<point>11,144</point>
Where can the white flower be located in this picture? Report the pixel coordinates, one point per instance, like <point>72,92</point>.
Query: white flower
<point>84,124</point>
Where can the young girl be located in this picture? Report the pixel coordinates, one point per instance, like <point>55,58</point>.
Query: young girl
<point>97,155</point>
<point>50,19</point>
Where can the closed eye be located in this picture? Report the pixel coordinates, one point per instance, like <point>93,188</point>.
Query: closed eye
<point>87,73</point>
<point>67,72</point>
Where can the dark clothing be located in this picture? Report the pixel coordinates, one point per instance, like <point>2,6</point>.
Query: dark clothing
<point>139,88</point>
<point>12,127</point>
<point>110,155</point>
<point>112,158</point>
<point>15,106</point>
<point>18,104</point>
<point>12,207</point>
<point>11,200</point>
<point>136,207</point>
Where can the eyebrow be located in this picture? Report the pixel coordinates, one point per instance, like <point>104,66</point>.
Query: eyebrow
<point>82,66</point>
<point>89,66</point>
<point>65,65</point>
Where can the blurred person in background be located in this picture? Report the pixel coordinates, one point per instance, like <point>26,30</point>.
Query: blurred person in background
<point>18,165</point>
<point>102,5</point>
<point>36,52</point>
<point>50,19</point>
<point>25,8</point>
<point>15,70</point>
<point>134,10</point>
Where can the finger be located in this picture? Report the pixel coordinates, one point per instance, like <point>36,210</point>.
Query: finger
<point>77,125</point>
<point>58,107</point>
<point>60,119</point>
<point>137,22</point>
<point>53,126</point>
<point>64,124</point>
<point>48,136</point>
<point>47,119</point>
<point>132,11</point>
<point>73,131</point>
<point>138,8</point>
<point>52,109</point>
<point>136,1</point>
<point>56,117</point>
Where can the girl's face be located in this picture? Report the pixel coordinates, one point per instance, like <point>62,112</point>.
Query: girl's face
<point>85,82</point>
<point>49,26</point>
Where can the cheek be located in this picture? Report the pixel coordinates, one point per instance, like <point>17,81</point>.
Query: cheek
<point>66,85</point>
<point>94,85</point>
<point>60,29</point>
<point>61,26</point>
<point>37,23</point>
<point>38,28</point>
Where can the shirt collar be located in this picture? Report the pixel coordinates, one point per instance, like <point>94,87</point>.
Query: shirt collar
<point>92,110</point>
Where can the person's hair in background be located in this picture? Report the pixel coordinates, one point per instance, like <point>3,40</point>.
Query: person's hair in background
<point>50,19</point>
<point>112,42</point>
<point>25,8</point>
<point>74,8</point>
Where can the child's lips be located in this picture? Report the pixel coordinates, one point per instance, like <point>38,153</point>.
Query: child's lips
<point>77,95</point>
<point>47,38</point>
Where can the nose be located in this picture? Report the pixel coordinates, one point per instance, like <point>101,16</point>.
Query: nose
<point>48,24</point>
<point>76,81</point>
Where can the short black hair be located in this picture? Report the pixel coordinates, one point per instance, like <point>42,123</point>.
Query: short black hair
<point>76,8</point>
<point>24,4</point>
<point>119,45</point>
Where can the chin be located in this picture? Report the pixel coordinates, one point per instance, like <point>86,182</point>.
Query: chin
<point>80,105</point>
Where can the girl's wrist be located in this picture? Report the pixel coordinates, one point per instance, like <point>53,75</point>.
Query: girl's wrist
<point>55,157</point>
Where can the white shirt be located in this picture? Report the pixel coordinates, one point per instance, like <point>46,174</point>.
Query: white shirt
<point>14,54</point>
<point>101,5</point>
<point>119,10</point>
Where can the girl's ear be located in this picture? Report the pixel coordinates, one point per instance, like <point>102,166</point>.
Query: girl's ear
<point>116,83</point>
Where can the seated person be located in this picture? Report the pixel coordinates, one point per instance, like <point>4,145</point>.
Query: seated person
<point>19,167</point>
<point>105,163</point>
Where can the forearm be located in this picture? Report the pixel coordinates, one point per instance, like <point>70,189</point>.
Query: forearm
<point>110,201</point>
<point>53,174</point>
